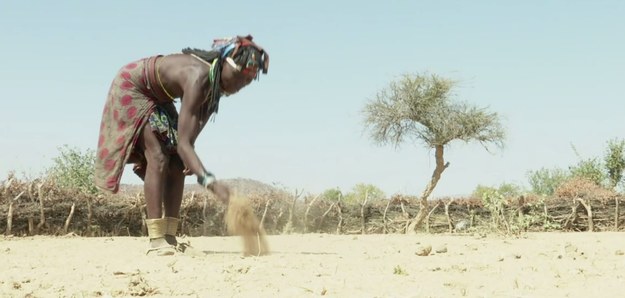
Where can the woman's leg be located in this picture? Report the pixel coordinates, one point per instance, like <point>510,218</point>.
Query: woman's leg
<point>175,187</point>
<point>156,172</point>
<point>156,175</point>
<point>173,197</point>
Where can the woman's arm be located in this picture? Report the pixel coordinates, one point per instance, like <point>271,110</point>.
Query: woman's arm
<point>189,122</point>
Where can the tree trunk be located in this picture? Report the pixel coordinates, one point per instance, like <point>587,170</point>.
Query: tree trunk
<point>89,217</point>
<point>323,217</point>
<point>427,218</point>
<point>568,224</point>
<point>289,227</point>
<point>339,225</point>
<point>31,191</point>
<point>504,219</point>
<point>363,221</point>
<point>521,206</point>
<point>144,216</point>
<point>7,185</point>
<point>292,210</point>
<point>42,215</point>
<point>277,219</point>
<point>31,226</point>
<point>69,218</point>
<point>10,214</point>
<point>384,216</point>
<point>449,221</point>
<point>9,219</point>
<point>204,218</point>
<point>616,213</point>
<point>403,209</point>
<point>423,200</point>
<point>262,219</point>
<point>306,213</point>
<point>545,211</point>
<point>591,226</point>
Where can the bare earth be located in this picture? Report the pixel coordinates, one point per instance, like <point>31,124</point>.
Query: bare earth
<point>312,265</point>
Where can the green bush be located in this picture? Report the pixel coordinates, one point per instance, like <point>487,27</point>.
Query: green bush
<point>332,194</point>
<point>590,169</point>
<point>507,190</point>
<point>615,161</point>
<point>74,168</point>
<point>546,181</point>
<point>361,190</point>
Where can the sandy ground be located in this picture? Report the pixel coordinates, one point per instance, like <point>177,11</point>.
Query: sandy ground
<point>534,265</point>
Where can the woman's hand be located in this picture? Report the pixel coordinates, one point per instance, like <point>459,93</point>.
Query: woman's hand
<point>221,191</point>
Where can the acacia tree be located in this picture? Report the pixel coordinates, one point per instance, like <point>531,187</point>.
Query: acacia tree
<point>615,165</point>
<point>419,107</point>
<point>615,161</point>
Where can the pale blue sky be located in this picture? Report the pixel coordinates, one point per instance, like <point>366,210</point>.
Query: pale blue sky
<point>553,70</point>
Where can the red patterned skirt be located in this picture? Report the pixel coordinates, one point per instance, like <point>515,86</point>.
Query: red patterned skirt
<point>132,98</point>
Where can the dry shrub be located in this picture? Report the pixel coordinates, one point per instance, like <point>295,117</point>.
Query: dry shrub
<point>582,188</point>
<point>241,221</point>
<point>471,202</point>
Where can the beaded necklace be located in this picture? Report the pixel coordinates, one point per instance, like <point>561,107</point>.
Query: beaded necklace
<point>158,77</point>
<point>211,79</point>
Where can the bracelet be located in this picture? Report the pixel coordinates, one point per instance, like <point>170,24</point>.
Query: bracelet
<point>206,179</point>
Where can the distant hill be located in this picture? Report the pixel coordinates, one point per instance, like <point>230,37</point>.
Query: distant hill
<point>243,186</point>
